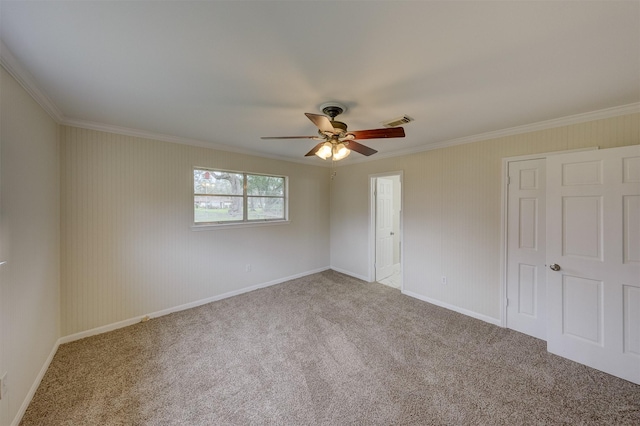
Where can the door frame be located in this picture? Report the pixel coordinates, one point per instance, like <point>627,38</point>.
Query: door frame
<point>372,223</point>
<point>504,219</point>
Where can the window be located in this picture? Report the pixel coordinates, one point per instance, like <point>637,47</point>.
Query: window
<point>221,197</point>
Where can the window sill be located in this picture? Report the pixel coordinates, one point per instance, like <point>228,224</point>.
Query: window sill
<point>217,226</point>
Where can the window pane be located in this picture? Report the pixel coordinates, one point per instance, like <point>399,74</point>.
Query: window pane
<point>261,208</point>
<point>217,209</point>
<point>265,185</point>
<point>212,182</point>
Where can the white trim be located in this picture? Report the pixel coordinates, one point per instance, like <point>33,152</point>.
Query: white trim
<point>136,133</point>
<point>34,387</point>
<point>26,80</point>
<point>222,225</point>
<point>485,318</point>
<point>351,274</point>
<point>137,319</point>
<point>28,83</point>
<point>372,223</point>
<point>542,125</point>
<point>245,221</point>
<point>533,127</point>
<point>11,64</point>
<point>504,199</point>
<point>131,321</point>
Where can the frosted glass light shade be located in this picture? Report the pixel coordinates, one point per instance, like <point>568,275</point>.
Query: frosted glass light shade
<point>340,151</point>
<point>325,151</point>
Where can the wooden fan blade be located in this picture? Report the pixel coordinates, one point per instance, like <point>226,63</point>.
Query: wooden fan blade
<point>358,147</point>
<point>321,121</point>
<point>314,150</point>
<point>288,137</point>
<point>392,132</point>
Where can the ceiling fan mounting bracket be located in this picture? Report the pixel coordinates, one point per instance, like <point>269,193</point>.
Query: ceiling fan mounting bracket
<point>333,109</point>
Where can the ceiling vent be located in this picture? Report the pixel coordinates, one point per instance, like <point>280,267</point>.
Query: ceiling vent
<point>405,119</point>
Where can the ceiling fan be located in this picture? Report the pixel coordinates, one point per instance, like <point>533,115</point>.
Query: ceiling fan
<point>335,141</point>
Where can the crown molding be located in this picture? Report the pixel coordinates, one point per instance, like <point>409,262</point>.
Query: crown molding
<point>136,133</point>
<point>26,80</point>
<point>28,83</point>
<point>527,128</point>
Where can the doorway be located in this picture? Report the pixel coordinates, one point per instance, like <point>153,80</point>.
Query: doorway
<point>385,229</point>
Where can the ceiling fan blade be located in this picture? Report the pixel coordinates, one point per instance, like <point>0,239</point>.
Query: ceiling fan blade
<point>321,121</point>
<point>393,132</point>
<point>358,147</point>
<point>314,150</point>
<point>288,137</point>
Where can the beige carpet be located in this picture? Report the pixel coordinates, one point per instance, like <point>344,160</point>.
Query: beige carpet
<point>326,349</point>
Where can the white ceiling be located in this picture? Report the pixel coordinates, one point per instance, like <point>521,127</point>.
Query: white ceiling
<point>226,73</point>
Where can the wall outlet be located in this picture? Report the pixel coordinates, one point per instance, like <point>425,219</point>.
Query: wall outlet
<point>3,385</point>
<point>247,267</point>
<point>443,280</point>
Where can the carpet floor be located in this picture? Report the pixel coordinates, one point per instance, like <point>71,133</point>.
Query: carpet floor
<point>326,349</point>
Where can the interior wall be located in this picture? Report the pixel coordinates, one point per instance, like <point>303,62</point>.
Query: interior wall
<point>452,210</point>
<point>128,248</point>
<point>29,241</point>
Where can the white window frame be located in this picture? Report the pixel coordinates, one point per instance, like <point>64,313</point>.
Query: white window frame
<point>245,222</point>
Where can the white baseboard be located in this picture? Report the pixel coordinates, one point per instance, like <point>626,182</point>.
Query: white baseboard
<point>34,387</point>
<point>454,308</point>
<point>137,319</point>
<point>351,274</point>
<point>131,321</point>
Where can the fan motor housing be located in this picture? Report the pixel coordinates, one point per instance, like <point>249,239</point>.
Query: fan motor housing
<point>339,125</point>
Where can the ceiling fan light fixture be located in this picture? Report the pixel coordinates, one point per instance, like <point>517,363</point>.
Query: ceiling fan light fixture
<point>336,142</point>
<point>340,151</point>
<point>325,151</point>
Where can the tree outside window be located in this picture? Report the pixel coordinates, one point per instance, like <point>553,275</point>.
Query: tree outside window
<point>223,196</point>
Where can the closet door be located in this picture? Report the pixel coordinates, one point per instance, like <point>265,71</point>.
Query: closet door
<point>526,273</point>
<point>593,258</point>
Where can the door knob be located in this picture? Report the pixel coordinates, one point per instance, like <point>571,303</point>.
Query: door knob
<point>555,267</point>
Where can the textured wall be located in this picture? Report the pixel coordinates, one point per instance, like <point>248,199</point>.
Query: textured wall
<point>127,244</point>
<point>96,227</point>
<point>452,207</point>
<point>29,241</point>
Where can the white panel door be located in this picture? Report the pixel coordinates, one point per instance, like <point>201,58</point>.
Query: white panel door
<point>526,273</point>
<point>593,253</point>
<point>384,228</point>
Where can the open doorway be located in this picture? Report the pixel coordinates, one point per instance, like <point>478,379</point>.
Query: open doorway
<point>386,229</point>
